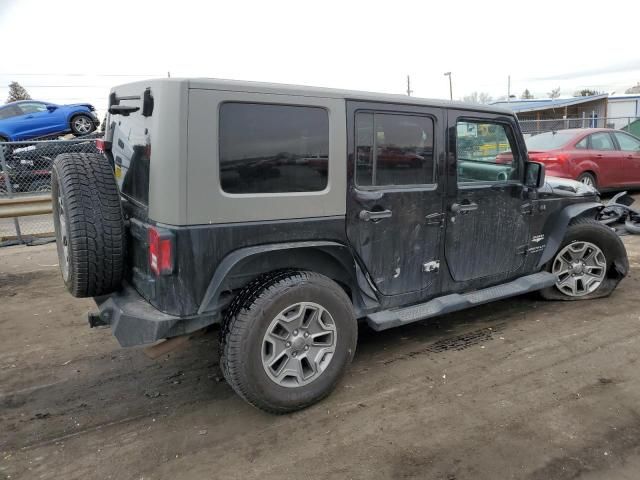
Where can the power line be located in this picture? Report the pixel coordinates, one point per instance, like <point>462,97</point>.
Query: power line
<point>80,74</point>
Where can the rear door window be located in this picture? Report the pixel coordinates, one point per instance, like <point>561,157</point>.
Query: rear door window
<point>9,112</point>
<point>269,148</point>
<point>394,149</point>
<point>601,141</point>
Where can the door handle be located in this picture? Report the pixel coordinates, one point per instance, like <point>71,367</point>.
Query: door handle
<point>369,216</point>
<point>29,116</point>
<point>464,207</point>
<point>599,155</point>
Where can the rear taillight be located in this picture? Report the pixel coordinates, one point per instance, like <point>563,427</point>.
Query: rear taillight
<point>160,251</point>
<point>102,145</point>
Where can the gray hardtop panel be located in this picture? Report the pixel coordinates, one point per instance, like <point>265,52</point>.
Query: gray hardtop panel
<point>300,90</point>
<point>166,131</point>
<point>209,204</point>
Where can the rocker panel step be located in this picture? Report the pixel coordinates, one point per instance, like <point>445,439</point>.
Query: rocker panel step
<point>456,301</point>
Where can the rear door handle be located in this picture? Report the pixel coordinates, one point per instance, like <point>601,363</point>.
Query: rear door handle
<point>369,216</point>
<point>464,207</point>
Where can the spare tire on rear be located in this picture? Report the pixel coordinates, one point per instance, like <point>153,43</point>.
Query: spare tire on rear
<point>89,224</point>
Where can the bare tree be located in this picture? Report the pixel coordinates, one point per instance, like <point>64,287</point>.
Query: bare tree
<point>17,92</point>
<point>475,97</point>
<point>527,95</point>
<point>586,92</point>
<point>634,89</point>
<point>555,93</point>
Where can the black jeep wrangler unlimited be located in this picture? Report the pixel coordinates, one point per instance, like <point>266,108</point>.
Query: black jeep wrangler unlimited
<point>286,214</point>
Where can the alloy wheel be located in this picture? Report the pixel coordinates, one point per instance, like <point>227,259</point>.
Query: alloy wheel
<point>299,344</point>
<point>580,268</point>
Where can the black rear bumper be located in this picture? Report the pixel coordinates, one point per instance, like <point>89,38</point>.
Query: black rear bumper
<point>134,321</point>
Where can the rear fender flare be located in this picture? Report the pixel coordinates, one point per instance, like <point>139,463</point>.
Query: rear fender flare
<point>332,259</point>
<point>556,227</point>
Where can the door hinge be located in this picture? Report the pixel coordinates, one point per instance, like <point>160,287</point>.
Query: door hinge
<point>435,219</point>
<point>431,267</point>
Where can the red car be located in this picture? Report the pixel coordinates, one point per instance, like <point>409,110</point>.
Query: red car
<point>604,158</point>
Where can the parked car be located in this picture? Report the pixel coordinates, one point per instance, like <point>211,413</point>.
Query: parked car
<point>29,167</point>
<point>29,119</point>
<point>288,264</point>
<point>604,158</point>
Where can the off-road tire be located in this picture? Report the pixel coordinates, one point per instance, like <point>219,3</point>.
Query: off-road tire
<point>247,320</point>
<point>590,230</point>
<point>94,224</point>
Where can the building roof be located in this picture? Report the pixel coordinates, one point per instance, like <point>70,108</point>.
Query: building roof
<point>519,106</point>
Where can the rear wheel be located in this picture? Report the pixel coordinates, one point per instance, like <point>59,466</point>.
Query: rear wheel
<point>590,263</point>
<point>82,125</point>
<point>588,179</point>
<point>287,340</point>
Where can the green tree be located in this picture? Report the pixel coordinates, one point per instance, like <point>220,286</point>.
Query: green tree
<point>527,95</point>
<point>17,92</point>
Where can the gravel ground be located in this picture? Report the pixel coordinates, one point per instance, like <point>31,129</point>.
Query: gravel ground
<point>519,389</point>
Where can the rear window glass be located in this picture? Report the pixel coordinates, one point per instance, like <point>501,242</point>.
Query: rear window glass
<point>266,148</point>
<point>548,141</point>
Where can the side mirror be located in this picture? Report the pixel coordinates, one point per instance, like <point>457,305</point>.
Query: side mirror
<point>51,108</point>
<point>533,174</point>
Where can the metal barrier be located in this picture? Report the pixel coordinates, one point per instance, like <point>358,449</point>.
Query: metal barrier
<point>25,186</point>
<point>536,126</point>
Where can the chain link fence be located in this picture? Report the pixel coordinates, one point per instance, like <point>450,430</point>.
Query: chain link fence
<point>25,175</point>
<point>533,126</point>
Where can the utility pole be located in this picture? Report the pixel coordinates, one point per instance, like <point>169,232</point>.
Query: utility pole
<point>409,91</point>
<point>448,74</point>
<point>509,89</point>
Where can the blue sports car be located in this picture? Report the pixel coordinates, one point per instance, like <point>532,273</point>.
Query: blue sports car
<point>28,119</point>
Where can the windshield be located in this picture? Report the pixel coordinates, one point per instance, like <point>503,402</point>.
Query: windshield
<point>548,141</point>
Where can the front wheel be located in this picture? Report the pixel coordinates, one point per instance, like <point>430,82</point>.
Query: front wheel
<point>82,125</point>
<point>590,263</point>
<point>287,339</point>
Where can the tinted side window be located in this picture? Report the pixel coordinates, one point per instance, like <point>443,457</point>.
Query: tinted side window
<point>9,112</point>
<point>32,107</point>
<point>583,144</point>
<point>394,149</point>
<point>627,142</point>
<point>485,152</point>
<point>267,148</point>
<point>601,141</point>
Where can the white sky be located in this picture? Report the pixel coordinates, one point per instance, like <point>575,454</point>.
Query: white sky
<point>69,51</point>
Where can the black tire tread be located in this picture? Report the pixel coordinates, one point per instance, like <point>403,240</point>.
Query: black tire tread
<point>252,299</point>
<point>96,226</point>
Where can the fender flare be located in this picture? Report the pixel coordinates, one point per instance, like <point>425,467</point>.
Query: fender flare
<point>556,227</point>
<point>334,252</point>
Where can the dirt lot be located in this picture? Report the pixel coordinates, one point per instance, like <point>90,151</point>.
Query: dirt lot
<point>516,389</point>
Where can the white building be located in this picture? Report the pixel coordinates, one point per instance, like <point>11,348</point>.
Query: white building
<point>623,109</point>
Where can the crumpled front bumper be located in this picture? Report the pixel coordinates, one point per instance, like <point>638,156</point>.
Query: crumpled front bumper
<point>134,321</point>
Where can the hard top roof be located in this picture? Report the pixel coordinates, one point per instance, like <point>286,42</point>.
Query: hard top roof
<point>286,89</point>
